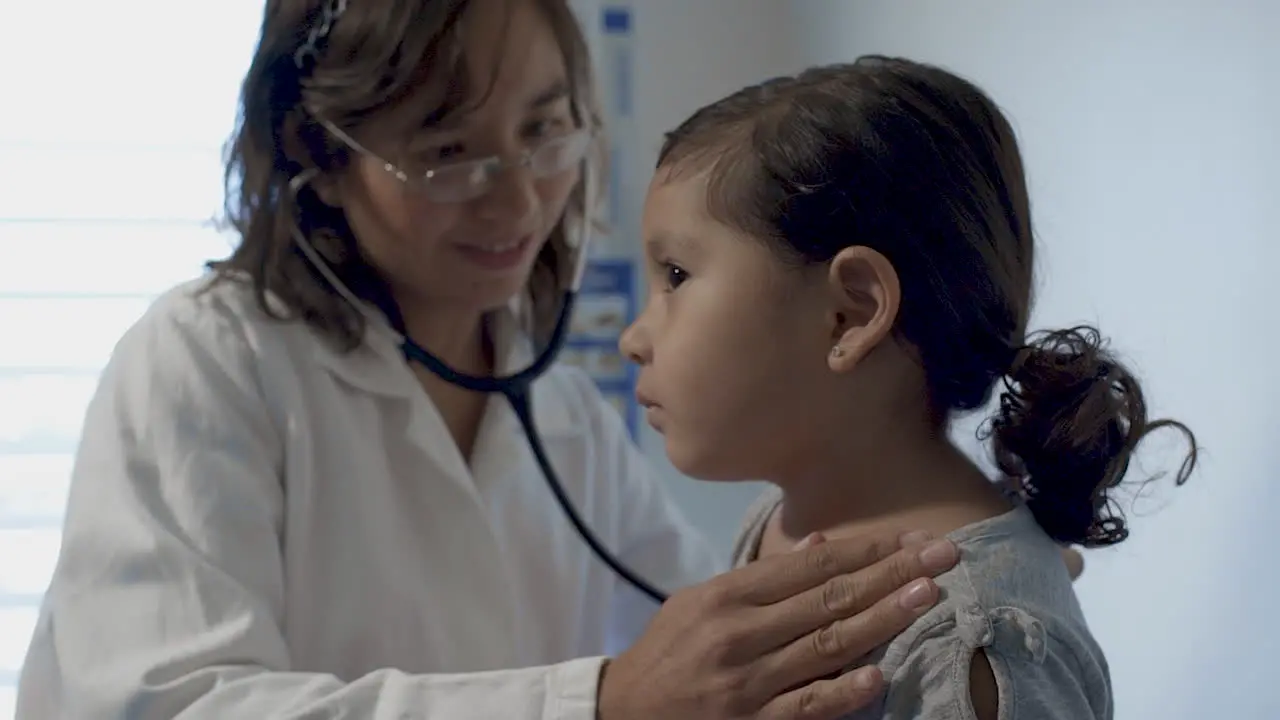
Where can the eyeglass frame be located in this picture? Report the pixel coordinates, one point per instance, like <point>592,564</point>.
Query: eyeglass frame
<point>491,165</point>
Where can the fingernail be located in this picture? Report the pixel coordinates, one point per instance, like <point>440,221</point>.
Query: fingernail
<point>866,678</point>
<point>917,596</point>
<point>939,556</point>
<point>914,537</point>
<point>811,540</point>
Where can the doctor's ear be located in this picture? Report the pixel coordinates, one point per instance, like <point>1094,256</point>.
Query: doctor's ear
<point>326,188</point>
<point>324,185</point>
<point>865,295</point>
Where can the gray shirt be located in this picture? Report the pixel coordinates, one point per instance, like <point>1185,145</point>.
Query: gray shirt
<point>1009,596</point>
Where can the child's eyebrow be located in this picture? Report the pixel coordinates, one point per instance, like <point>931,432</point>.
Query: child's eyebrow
<point>665,242</point>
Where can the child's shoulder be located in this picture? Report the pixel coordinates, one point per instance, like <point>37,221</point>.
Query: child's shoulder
<point>1008,560</point>
<point>747,544</point>
<point>1010,597</point>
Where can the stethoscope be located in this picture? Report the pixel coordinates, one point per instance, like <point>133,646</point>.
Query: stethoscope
<point>516,388</point>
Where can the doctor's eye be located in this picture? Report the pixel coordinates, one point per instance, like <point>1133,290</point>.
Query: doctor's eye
<point>674,276</point>
<point>431,158</point>
<point>548,127</point>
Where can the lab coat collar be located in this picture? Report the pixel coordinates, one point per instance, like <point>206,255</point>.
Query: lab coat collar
<point>378,366</point>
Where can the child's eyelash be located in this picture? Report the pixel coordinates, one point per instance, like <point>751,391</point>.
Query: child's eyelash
<point>673,276</point>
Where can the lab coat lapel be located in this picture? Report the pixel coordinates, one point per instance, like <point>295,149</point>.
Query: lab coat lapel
<point>501,452</point>
<point>511,485</point>
<point>378,367</point>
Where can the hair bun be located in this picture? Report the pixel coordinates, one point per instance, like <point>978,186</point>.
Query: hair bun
<point>1070,417</point>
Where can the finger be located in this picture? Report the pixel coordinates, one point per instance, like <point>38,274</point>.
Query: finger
<point>810,540</point>
<point>847,595</point>
<point>828,699</point>
<point>1074,560</point>
<point>842,643</point>
<point>778,577</point>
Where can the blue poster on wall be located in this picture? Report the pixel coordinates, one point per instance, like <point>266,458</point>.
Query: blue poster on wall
<point>616,62</point>
<point>609,298</point>
<point>606,305</point>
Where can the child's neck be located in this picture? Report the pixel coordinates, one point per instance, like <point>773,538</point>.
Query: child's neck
<point>922,485</point>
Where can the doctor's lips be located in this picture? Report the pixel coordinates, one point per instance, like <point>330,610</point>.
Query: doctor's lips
<point>499,255</point>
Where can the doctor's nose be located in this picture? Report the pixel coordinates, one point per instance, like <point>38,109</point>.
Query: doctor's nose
<point>634,343</point>
<point>514,194</point>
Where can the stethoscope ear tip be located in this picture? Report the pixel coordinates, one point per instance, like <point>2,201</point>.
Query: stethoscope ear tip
<point>297,181</point>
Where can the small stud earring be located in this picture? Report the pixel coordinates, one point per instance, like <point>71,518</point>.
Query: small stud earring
<point>837,351</point>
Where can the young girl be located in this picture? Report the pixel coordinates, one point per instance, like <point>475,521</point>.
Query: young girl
<point>840,262</point>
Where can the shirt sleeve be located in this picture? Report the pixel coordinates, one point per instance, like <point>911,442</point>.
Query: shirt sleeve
<point>1038,676</point>
<point>167,599</point>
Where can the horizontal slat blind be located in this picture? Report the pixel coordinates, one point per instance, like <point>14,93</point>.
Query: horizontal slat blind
<point>110,174</point>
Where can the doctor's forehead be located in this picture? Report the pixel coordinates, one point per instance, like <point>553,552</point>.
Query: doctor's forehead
<point>512,54</point>
<point>504,59</point>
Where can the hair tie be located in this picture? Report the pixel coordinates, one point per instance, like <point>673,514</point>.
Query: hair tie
<point>310,50</point>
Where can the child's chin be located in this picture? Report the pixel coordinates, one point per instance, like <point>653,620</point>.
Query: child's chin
<point>690,462</point>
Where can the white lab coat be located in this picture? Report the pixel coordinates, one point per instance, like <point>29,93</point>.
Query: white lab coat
<point>260,526</point>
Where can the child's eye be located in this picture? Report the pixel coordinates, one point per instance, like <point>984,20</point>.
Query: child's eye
<point>674,276</point>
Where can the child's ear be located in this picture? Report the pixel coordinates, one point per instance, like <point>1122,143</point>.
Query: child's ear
<point>866,294</point>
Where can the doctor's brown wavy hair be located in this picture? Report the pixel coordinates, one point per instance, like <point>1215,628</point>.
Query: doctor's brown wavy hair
<point>379,54</point>
<point>921,166</point>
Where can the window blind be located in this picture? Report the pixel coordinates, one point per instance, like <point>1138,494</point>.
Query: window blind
<point>110,175</point>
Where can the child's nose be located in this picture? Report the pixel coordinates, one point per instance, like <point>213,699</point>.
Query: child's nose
<point>634,343</point>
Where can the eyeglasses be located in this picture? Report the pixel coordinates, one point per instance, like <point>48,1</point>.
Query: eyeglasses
<point>468,180</point>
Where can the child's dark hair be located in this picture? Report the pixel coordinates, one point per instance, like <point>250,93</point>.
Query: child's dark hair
<point>921,166</point>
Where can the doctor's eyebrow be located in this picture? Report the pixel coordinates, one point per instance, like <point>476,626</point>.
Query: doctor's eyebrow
<point>455,121</point>
<point>559,90</point>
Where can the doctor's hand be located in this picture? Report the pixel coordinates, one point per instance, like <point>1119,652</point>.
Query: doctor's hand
<point>769,641</point>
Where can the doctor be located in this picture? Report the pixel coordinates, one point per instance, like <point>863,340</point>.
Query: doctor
<point>273,514</point>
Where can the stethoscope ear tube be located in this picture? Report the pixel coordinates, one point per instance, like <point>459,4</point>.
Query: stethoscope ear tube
<point>504,384</point>
<point>516,388</point>
<point>521,405</point>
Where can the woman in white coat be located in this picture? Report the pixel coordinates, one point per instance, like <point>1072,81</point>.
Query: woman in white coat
<point>274,515</point>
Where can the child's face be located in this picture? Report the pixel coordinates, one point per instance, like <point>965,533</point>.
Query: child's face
<point>733,345</point>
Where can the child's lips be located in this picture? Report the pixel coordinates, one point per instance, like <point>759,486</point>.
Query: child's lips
<point>652,410</point>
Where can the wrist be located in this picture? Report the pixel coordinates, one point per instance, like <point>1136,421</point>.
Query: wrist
<point>603,700</point>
